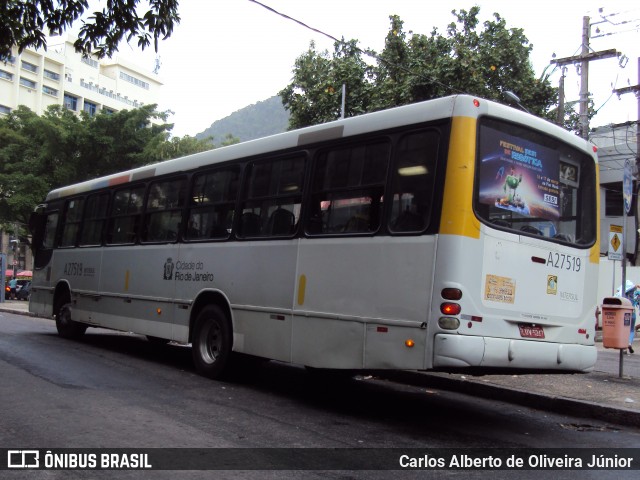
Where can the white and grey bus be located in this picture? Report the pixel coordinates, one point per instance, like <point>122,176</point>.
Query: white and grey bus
<point>455,234</point>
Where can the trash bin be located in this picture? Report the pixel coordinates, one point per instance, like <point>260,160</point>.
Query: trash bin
<point>616,322</point>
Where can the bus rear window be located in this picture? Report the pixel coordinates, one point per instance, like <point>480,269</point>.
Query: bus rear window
<point>535,185</point>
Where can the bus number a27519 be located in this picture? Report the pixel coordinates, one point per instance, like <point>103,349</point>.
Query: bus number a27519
<point>564,261</point>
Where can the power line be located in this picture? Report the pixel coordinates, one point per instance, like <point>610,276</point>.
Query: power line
<point>368,51</point>
<point>284,15</point>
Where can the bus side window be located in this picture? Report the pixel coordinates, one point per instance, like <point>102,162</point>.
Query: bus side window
<point>95,212</point>
<point>281,222</point>
<point>126,210</point>
<point>250,224</point>
<point>212,202</point>
<point>163,212</point>
<point>272,198</point>
<point>51,226</point>
<point>71,222</point>
<point>413,180</point>
<point>348,187</point>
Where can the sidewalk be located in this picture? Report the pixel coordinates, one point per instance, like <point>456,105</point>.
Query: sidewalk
<point>601,394</point>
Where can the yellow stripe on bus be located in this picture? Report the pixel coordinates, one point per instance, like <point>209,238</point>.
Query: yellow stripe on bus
<point>302,286</point>
<point>457,211</point>
<point>594,253</point>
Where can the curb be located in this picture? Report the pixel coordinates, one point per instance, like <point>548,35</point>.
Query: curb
<point>18,312</point>
<point>556,404</point>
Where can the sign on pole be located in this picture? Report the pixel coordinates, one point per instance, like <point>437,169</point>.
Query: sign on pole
<point>615,242</point>
<point>627,186</point>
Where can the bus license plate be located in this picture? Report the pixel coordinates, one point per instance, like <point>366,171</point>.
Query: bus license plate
<point>531,331</point>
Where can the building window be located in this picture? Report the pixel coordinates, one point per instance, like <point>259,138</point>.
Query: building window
<point>90,108</point>
<point>10,59</point>
<point>71,102</point>
<point>52,75</point>
<point>25,82</point>
<point>613,199</point>
<point>49,91</point>
<point>90,61</point>
<point>5,110</point>
<point>29,67</point>
<point>108,111</point>
<point>6,75</point>
<point>134,80</point>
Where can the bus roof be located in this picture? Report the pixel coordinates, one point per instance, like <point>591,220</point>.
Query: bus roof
<point>446,107</point>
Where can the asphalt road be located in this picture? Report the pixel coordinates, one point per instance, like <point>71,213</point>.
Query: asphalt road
<point>115,390</point>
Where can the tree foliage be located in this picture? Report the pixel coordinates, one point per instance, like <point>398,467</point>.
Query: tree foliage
<point>484,60</point>
<point>40,153</point>
<point>25,23</point>
<point>315,94</point>
<point>161,149</point>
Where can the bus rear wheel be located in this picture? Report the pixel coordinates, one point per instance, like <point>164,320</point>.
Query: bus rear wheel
<point>67,328</point>
<point>212,342</point>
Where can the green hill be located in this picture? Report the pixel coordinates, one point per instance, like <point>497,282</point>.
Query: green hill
<point>262,119</point>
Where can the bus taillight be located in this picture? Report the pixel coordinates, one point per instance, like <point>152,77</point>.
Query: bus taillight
<point>449,308</point>
<point>451,293</point>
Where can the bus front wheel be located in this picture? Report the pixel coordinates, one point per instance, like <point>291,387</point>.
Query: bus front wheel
<point>212,342</point>
<point>67,328</point>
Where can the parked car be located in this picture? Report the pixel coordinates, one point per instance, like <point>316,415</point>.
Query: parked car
<point>23,292</point>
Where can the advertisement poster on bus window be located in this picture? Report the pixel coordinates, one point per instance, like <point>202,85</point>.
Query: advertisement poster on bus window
<point>518,175</point>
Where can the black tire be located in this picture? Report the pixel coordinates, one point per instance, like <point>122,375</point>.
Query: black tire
<point>67,328</point>
<point>212,342</point>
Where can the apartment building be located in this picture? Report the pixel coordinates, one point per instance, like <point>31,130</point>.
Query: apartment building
<point>61,76</point>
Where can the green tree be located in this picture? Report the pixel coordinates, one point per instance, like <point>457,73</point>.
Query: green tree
<point>40,153</point>
<point>168,148</point>
<point>315,95</point>
<point>484,60</point>
<point>118,141</point>
<point>34,153</point>
<point>24,23</point>
<point>228,139</point>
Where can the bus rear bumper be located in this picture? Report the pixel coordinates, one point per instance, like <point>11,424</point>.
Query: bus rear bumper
<point>457,352</point>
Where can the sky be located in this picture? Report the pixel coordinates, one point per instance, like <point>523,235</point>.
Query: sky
<point>228,54</point>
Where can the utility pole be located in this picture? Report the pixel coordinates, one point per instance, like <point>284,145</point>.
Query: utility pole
<point>634,89</point>
<point>584,79</point>
<point>584,58</point>
<point>560,117</point>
